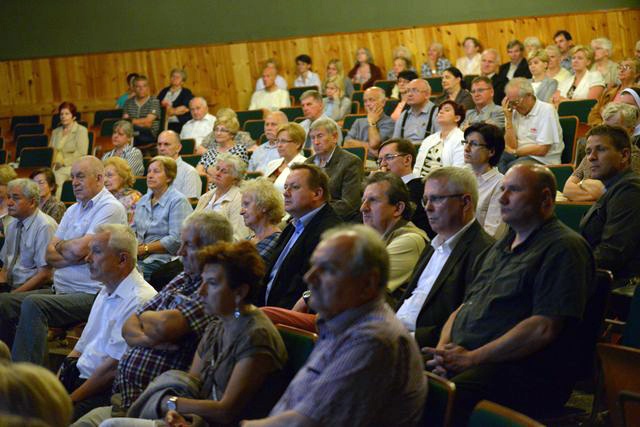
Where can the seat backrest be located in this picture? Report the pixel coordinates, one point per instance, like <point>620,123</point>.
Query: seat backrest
<point>357,86</point>
<point>25,141</point>
<point>91,137</point>
<point>299,344</point>
<point>254,127</point>
<point>292,112</point>
<point>67,194</point>
<point>140,184</point>
<point>571,213</point>
<point>487,413</point>
<point>562,174</point>
<point>106,126</point>
<point>188,146</point>
<point>631,333</point>
<point>296,92</point>
<point>361,152</point>
<point>621,369</point>
<point>245,115</point>
<point>436,84</point>
<point>580,109</point>
<point>100,115</point>
<point>355,107</point>
<point>438,408</point>
<point>387,85</point>
<point>359,97</point>
<point>349,119</point>
<point>32,157</point>
<point>390,105</point>
<point>27,129</point>
<point>569,127</point>
<point>3,156</point>
<point>16,120</point>
<point>192,159</point>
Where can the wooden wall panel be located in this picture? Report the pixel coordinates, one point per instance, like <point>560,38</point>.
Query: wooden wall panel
<point>226,74</point>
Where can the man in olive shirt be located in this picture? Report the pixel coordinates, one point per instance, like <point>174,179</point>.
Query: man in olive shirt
<point>508,342</point>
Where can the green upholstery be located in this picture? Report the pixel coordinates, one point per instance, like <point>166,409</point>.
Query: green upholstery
<point>361,152</point>
<point>140,184</point>
<point>106,126</point>
<point>387,85</point>
<point>580,109</point>
<point>355,107</point>
<point>357,86</point>
<point>631,333</point>
<point>243,116</point>
<point>3,156</point>
<point>491,414</point>
<point>192,159</point>
<point>350,119</point>
<point>299,346</point>
<point>254,127</point>
<point>24,141</point>
<point>571,213</point>
<point>36,157</point>
<point>292,113</point>
<point>16,120</point>
<point>101,115</point>
<point>296,92</point>
<point>562,173</point>
<point>390,106</point>
<point>252,175</point>
<point>468,79</point>
<point>27,129</point>
<point>439,404</point>
<point>67,192</point>
<point>90,147</point>
<point>359,98</point>
<point>435,83</point>
<point>569,127</point>
<point>188,146</point>
<point>205,184</point>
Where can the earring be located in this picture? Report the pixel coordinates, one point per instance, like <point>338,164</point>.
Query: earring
<point>236,313</point>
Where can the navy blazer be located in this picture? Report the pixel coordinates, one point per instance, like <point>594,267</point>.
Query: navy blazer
<point>182,100</point>
<point>521,71</point>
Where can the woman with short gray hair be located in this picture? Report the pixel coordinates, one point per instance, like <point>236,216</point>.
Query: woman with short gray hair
<point>175,98</point>
<point>602,51</point>
<point>122,140</point>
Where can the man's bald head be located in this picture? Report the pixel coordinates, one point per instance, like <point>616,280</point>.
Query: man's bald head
<point>418,92</point>
<point>169,144</point>
<point>271,123</point>
<point>87,178</point>
<point>198,108</point>
<point>374,98</point>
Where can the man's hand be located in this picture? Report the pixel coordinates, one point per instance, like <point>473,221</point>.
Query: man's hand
<point>506,108</point>
<point>456,358</point>
<point>174,419</point>
<point>436,363</point>
<point>375,114</point>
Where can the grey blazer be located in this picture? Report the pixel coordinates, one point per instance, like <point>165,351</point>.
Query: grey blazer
<point>546,89</point>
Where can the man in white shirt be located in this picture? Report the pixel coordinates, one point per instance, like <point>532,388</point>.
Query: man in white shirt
<point>268,150</point>
<point>532,128</point>
<point>201,123</point>
<point>439,280</point>
<point>187,180</point>
<point>281,82</point>
<point>91,366</point>
<point>306,77</point>
<point>271,97</point>
<point>313,109</point>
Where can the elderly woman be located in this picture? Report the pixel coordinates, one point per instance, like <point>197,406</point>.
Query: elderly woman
<point>543,86</point>
<point>118,179</point>
<point>7,174</point>
<point>237,366</point>
<point>48,203</point>
<point>122,140</point>
<point>602,50</point>
<point>70,142</point>
<point>241,137</point>
<point>628,73</point>
<point>402,60</point>
<point>225,131</point>
<point>336,105</point>
<point>364,72</point>
<point>531,44</point>
<point>483,146</point>
<point>158,217</point>
<point>442,148</point>
<point>175,98</point>
<point>290,138</point>
<point>555,70</point>
<point>436,63</point>
<point>226,175</point>
<point>470,62</point>
<point>262,209</point>
<point>336,69</point>
<point>452,84</point>
<point>585,84</point>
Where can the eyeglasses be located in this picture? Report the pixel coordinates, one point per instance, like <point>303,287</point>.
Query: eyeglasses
<point>284,141</point>
<point>439,199</point>
<point>221,130</point>
<point>624,67</point>
<point>388,157</point>
<point>479,90</point>
<point>473,144</point>
<point>415,90</point>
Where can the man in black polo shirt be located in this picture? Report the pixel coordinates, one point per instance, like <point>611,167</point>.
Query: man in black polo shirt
<point>508,341</point>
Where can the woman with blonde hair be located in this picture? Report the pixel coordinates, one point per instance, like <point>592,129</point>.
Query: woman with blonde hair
<point>628,73</point>
<point>119,180</point>
<point>335,68</point>
<point>543,86</point>
<point>436,62</point>
<point>336,105</point>
<point>554,69</point>
<point>584,84</point>
<point>225,131</point>
<point>241,137</point>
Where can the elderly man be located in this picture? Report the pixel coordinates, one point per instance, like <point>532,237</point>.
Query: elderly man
<point>345,170</point>
<point>73,289</point>
<point>144,112</point>
<point>24,251</point>
<point>164,332</point>
<point>373,130</point>
<point>187,180</point>
<point>445,268</point>
<point>201,123</point>
<point>281,82</point>
<point>90,368</point>
<point>612,225</point>
<point>313,110</point>
<point>268,150</point>
<point>489,67</point>
<point>513,340</point>
<point>485,109</point>
<point>517,66</point>
<point>359,337</point>
<point>419,120</point>
<point>122,138</point>
<point>306,200</point>
<point>532,128</point>
<point>564,41</point>
<point>271,97</point>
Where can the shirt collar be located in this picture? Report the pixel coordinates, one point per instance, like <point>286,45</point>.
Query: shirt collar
<point>488,174</point>
<point>123,290</point>
<point>505,243</point>
<point>94,200</point>
<point>617,177</point>
<point>305,219</point>
<point>408,178</point>
<point>28,220</point>
<point>451,242</point>
<point>317,158</point>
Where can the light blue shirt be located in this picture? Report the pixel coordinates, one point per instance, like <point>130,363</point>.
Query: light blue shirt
<point>262,156</point>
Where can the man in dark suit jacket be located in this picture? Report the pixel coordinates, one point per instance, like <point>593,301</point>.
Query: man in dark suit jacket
<point>306,198</point>
<point>612,225</point>
<point>345,170</point>
<point>489,67</point>
<point>518,64</point>
<point>439,281</point>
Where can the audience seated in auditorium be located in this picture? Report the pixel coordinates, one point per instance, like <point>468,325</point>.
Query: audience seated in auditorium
<point>271,97</point>
<point>531,44</point>
<point>70,142</point>
<point>224,197</point>
<point>436,62</point>
<point>489,67</point>
<point>306,197</point>
<point>23,255</point>
<point>364,72</point>
<point>35,311</point>
<point>532,129</point>
<point>514,340</point>
<point>469,64</point>
<point>131,91</point>
<point>143,110</point>
<point>268,150</point>
<point>517,65</point>
<point>585,84</point>
<point>187,180</point>
<point>359,337</point>
<point>119,180</point>
<point>345,170</point>
<point>400,92</point>
<point>628,73</point>
<point>336,69</point>
<point>304,75</point>
<point>454,90</point>
<point>225,141</point>
<point>49,204</point>
<point>445,268</point>
<point>200,125</point>
<point>335,104</point>
<point>373,130</point>
<point>262,209</point>
<point>564,41</point>
<point>443,148</point>
<point>281,82</point>
<point>289,141</point>
<point>418,121</point>
<point>543,86</point>
<point>406,63</point>
<point>89,369</point>
<point>175,98</point>
<point>483,146</point>
<point>163,333</point>
<point>602,51</point>
<point>7,174</point>
<point>122,140</point>
<point>555,70</point>
<point>313,110</point>
<point>485,110</point>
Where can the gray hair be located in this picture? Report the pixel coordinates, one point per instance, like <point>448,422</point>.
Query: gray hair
<point>125,126</point>
<point>180,71</point>
<point>604,43</point>
<point>437,46</point>
<point>378,91</point>
<point>367,252</point>
<point>523,85</point>
<point>237,164</point>
<point>121,239</point>
<point>199,98</point>
<point>494,52</point>
<point>459,180</point>
<point>628,114</point>
<point>28,188</point>
<point>533,41</point>
<point>211,227</point>
<point>266,197</point>
<point>282,117</point>
<point>325,124</point>
<point>95,165</point>
<point>311,93</point>
<point>553,48</point>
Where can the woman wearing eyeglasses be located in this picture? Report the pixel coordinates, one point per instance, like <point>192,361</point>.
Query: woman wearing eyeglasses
<point>224,132</point>
<point>289,141</point>
<point>628,73</point>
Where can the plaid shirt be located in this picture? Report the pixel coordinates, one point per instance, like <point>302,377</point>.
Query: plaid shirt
<point>132,155</point>
<point>151,106</point>
<point>267,246</point>
<point>140,365</point>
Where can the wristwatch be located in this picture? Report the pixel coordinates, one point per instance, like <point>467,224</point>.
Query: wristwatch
<point>146,249</point>
<point>172,403</point>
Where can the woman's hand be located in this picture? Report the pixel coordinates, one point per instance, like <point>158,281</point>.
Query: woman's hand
<point>174,419</point>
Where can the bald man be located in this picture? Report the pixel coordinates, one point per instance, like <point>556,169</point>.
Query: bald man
<point>268,150</point>
<point>187,180</point>
<point>419,120</point>
<point>271,97</point>
<point>201,123</point>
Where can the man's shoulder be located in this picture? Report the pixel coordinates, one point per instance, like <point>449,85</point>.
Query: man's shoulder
<point>346,156</point>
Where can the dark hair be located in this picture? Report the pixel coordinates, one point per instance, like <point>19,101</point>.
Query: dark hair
<point>514,43</point>
<point>131,76</point>
<point>48,175</point>
<point>617,135</point>
<point>474,40</point>
<point>304,58</point>
<point>241,262</point>
<point>407,61</point>
<point>457,74</point>
<point>484,79</point>
<point>564,33</point>
<point>403,146</point>
<point>397,192</point>
<point>408,75</point>
<point>458,109</point>
<point>317,178</point>
<point>69,106</point>
<point>493,137</point>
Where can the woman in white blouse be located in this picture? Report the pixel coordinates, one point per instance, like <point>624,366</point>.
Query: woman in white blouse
<point>602,49</point>
<point>555,70</point>
<point>443,148</point>
<point>289,139</point>
<point>585,84</point>
<point>470,62</point>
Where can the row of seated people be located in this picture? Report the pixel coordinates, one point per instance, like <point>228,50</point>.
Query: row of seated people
<point>308,199</point>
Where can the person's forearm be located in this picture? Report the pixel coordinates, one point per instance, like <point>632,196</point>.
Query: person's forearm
<point>166,326</point>
<point>210,410</point>
<point>55,258</point>
<point>285,419</point>
<point>594,187</point>
<point>101,380</point>
<point>532,150</point>
<point>133,333</point>
<point>151,248</point>
<point>74,251</point>
<point>510,134</point>
<point>374,138</point>
<point>445,335</point>
<point>574,192</point>
<point>42,276</point>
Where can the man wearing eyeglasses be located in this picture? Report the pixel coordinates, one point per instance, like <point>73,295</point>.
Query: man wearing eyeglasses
<point>485,109</point>
<point>418,121</point>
